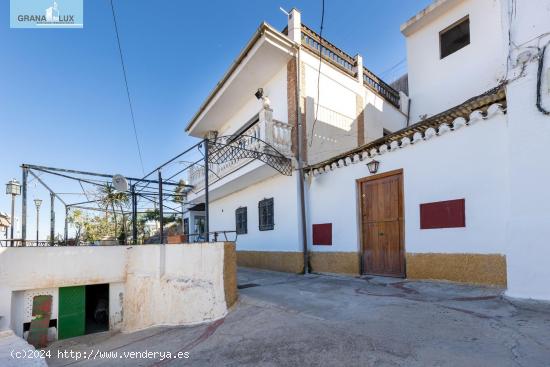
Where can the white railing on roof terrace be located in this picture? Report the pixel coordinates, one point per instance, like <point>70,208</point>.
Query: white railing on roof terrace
<point>275,134</point>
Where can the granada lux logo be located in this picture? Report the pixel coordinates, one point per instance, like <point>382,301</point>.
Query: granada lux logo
<point>50,16</point>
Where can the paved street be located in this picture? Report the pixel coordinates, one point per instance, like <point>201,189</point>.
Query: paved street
<point>321,320</point>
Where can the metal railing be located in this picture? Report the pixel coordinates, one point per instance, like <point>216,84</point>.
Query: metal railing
<point>347,64</point>
<point>17,242</point>
<point>261,137</point>
<point>215,236</point>
<point>331,53</point>
<point>390,94</point>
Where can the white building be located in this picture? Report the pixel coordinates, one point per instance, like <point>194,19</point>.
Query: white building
<point>460,191</point>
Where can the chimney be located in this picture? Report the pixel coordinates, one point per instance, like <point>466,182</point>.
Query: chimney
<point>295,26</point>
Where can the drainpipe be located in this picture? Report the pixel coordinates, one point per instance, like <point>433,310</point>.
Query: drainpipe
<point>300,165</point>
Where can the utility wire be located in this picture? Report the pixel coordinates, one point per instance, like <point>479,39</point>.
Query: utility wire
<point>318,75</point>
<point>382,74</point>
<point>127,89</point>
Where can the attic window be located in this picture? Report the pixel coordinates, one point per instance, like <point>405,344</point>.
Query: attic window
<point>454,37</point>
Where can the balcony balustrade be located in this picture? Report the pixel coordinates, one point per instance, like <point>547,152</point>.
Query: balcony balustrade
<point>267,136</point>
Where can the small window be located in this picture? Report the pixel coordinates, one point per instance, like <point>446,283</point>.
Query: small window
<point>241,221</point>
<point>454,37</point>
<point>265,214</point>
<point>186,226</point>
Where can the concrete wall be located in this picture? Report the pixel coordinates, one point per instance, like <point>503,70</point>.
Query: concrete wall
<point>148,285</point>
<point>174,285</point>
<point>437,84</point>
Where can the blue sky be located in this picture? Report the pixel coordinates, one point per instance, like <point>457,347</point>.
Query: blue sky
<point>62,97</point>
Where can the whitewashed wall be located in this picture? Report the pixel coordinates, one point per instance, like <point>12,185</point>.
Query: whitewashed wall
<point>467,163</point>
<point>528,231</point>
<point>275,89</point>
<point>139,278</point>
<point>437,84</point>
<point>336,128</point>
<point>284,236</point>
<point>174,285</point>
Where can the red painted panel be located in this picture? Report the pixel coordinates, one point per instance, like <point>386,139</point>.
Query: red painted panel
<point>443,214</point>
<point>322,234</point>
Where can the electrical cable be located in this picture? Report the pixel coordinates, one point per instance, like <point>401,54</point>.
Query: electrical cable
<point>319,74</point>
<point>127,89</point>
<point>382,74</point>
<point>539,81</point>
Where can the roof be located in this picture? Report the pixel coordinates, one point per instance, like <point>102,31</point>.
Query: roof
<point>481,103</point>
<point>426,15</point>
<point>311,42</point>
<point>262,29</point>
<point>4,220</point>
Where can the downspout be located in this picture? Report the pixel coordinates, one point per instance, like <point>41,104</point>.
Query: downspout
<point>409,112</point>
<point>300,164</point>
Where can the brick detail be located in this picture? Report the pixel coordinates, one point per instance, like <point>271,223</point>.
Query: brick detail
<point>291,78</point>
<point>291,100</point>
<point>360,120</point>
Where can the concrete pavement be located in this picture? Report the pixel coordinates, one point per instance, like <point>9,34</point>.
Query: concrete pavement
<point>322,320</point>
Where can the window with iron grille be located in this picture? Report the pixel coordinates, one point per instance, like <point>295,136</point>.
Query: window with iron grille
<point>241,221</point>
<point>265,214</point>
<point>454,37</point>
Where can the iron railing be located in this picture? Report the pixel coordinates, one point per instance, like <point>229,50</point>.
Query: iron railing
<point>228,236</point>
<point>348,64</point>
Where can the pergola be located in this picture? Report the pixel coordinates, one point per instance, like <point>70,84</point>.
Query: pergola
<point>164,182</point>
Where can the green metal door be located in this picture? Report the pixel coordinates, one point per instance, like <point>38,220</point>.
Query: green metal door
<point>72,312</point>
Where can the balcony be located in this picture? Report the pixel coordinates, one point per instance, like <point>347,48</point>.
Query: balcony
<point>264,149</point>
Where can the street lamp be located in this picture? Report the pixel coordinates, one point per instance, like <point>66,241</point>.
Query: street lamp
<point>13,188</point>
<point>37,202</point>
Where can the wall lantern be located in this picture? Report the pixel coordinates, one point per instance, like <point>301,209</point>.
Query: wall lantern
<point>373,166</point>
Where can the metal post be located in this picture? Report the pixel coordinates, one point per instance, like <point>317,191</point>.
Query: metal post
<point>24,207</point>
<point>161,212</point>
<point>134,215</point>
<point>182,216</point>
<point>52,218</point>
<point>37,223</point>
<point>12,219</point>
<point>206,201</point>
<point>66,225</point>
<point>299,160</point>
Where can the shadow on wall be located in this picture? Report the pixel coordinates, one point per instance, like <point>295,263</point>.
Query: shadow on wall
<point>333,132</point>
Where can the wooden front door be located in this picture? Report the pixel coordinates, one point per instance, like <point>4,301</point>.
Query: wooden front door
<point>381,199</point>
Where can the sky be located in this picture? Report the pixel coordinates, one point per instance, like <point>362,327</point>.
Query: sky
<point>62,97</point>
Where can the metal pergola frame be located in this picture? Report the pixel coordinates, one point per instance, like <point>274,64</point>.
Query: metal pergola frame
<point>92,178</point>
<point>215,150</point>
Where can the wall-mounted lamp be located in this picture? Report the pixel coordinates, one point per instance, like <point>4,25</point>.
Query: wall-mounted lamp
<point>373,166</point>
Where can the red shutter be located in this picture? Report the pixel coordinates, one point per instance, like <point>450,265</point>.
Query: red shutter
<point>443,214</point>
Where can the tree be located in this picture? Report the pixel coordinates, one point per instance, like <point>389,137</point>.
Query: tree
<point>78,221</point>
<point>110,198</point>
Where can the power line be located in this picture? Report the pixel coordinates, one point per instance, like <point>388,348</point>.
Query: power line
<point>393,67</point>
<point>318,75</point>
<point>127,89</point>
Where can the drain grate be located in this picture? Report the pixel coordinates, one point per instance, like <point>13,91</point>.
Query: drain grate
<point>247,285</point>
